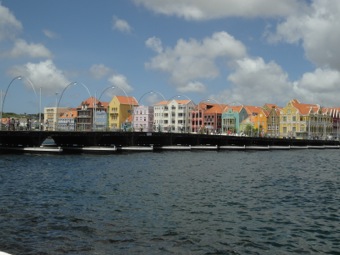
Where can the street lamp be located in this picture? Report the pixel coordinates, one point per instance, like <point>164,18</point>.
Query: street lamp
<point>39,106</point>
<point>3,100</point>
<point>58,102</point>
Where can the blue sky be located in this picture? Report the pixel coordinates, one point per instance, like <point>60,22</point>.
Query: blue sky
<point>229,51</point>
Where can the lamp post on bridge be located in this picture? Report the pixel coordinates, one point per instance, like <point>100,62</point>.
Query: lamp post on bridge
<point>58,101</point>
<point>9,85</point>
<point>3,99</point>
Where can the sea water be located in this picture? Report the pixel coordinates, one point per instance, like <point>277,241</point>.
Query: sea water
<point>204,202</point>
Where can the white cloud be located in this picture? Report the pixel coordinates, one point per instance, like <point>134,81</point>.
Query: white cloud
<point>9,25</point>
<point>44,75</point>
<point>50,34</point>
<point>212,9</point>
<point>155,44</point>
<point>99,71</point>
<point>22,48</point>
<point>192,60</point>
<point>255,82</point>
<point>320,86</point>
<point>194,86</point>
<point>121,25</point>
<point>318,30</point>
<point>120,81</point>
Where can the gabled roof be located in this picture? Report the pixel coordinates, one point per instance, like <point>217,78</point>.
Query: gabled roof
<point>185,101</point>
<point>104,104</point>
<point>215,108</point>
<point>71,113</point>
<point>127,100</point>
<point>269,107</point>
<point>305,109</point>
<point>234,108</point>
<point>90,102</point>
<point>256,110</point>
<point>161,103</point>
<point>164,102</point>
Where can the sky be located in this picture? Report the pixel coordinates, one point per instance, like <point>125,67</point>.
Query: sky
<point>249,52</point>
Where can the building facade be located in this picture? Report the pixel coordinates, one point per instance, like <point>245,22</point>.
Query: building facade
<point>207,118</point>
<point>119,110</point>
<point>85,115</point>
<point>273,120</point>
<point>232,117</point>
<point>51,116</point>
<point>101,116</point>
<point>173,115</point>
<point>143,118</point>
<point>66,121</point>
<point>305,121</point>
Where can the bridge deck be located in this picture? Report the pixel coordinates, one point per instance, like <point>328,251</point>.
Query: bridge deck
<point>76,139</point>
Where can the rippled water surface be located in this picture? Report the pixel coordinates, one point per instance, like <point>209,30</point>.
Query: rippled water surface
<point>276,202</point>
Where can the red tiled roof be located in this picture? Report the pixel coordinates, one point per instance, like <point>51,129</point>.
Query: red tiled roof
<point>305,109</point>
<point>71,113</point>
<point>127,100</point>
<point>216,108</point>
<point>90,102</point>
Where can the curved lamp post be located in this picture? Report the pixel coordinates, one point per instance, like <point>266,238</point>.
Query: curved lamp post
<point>61,95</point>
<point>39,106</point>
<point>3,100</point>
<point>140,99</point>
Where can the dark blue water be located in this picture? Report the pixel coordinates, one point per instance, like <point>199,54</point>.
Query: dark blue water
<point>276,202</point>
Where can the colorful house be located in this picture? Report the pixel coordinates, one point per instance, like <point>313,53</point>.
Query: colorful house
<point>334,113</point>
<point>85,115</point>
<point>273,120</point>
<point>101,116</point>
<point>207,117</point>
<point>305,121</point>
<point>120,108</point>
<point>143,118</point>
<point>232,117</point>
<point>66,120</point>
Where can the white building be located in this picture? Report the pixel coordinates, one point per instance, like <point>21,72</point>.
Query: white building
<point>173,115</point>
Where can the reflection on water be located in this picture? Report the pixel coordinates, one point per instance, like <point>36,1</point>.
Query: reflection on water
<point>273,202</point>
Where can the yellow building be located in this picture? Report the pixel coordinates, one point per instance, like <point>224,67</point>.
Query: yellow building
<point>304,121</point>
<point>257,117</point>
<point>120,109</point>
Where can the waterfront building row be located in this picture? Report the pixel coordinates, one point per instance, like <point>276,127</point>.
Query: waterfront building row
<point>295,119</point>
